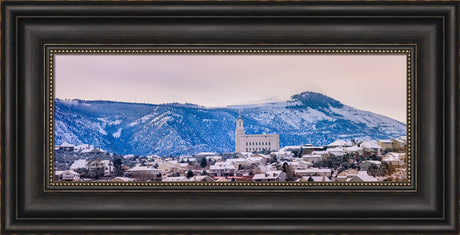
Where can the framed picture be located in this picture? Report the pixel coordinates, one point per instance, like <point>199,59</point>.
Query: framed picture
<point>229,117</point>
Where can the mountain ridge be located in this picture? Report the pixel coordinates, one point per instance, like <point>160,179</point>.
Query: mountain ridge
<point>176,129</point>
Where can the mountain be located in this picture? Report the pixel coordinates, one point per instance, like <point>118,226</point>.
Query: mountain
<point>174,129</point>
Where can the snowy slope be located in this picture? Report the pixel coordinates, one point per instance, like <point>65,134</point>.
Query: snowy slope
<point>173,129</point>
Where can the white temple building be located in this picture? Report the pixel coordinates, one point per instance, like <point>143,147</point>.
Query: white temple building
<point>254,143</point>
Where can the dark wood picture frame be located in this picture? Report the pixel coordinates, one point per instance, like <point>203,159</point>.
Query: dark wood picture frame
<point>431,206</point>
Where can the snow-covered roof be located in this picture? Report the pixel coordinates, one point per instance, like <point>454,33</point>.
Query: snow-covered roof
<point>125,179</point>
<point>267,175</point>
<point>386,141</point>
<point>220,165</point>
<point>311,156</point>
<point>222,179</point>
<point>370,144</point>
<point>128,156</point>
<point>314,170</point>
<point>319,152</point>
<point>401,139</point>
<point>206,154</point>
<point>66,171</point>
<point>175,179</point>
<point>183,165</point>
<point>392,157</point>
<point>143,168</point>
<point>201,178</point>
<point>340,143</point>
<point>353,149</point>
<point>338,149</point>
<point>290,148</point>
<point>317,178</point>
<point>80,163</point>
<point>348,172</point>
<point>363,176</point>
<point>255,159</point>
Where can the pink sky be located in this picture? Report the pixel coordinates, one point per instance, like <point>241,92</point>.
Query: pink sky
<point>374,83</point>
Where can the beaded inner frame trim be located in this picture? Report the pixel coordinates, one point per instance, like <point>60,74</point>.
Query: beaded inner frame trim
<point>50,75</point>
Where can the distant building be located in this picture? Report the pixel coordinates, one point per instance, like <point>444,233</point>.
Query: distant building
<point>322,178</point>
<point>362,176</point>
<point>105,165</point>
<point>371,147</point>
<point>254,143</point>
<point>346,175</point>
<point>79,164</point>
<point>314,172</point>
<point>340,143</point>
<point>385,144</point>
<point>68,175</point>
<point>399,144</point>
<point>270,176</point>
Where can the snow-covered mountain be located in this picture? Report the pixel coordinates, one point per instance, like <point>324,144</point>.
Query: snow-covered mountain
<point>174,129</point>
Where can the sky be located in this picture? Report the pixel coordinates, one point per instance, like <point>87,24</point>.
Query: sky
<point>375,83</point>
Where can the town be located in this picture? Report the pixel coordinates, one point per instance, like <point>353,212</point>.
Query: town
<point>256,158</point>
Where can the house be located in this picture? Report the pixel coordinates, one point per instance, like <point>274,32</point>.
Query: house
<point>67,147</point>
<point>122,179</point>
<point>222,169</point>
<point>399,144</point>
<point>206,155</point>
<point>314,179</point>
<point>79,164</point>
<point>314,172</point>
<point>335,152</point>
<point>270,176</point>
<point>364,166</point>
<point>175,179</point>
<point>202,178</point>
<point>96,168</point>
<point>394,160</point>
<point>340,143</point>
<point>324,154</point>
<point>68,175</point>
<point>143,170</point>
<point>309,148</point>
<point>371,147</point>
<point>169,167</point>
<point>222,179</point>
<point>386,145</point>
<point>346,175</point>
<point>283,154</point>
<point>312,158</point>
<point>100,165</point>
<point>362,176</point>
<point>108,167</point>
<point>354,150</point>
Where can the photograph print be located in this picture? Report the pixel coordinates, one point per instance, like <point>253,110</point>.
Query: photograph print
<point>278,117</point>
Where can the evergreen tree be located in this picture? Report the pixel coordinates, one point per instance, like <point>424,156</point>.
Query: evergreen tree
<point>189,174</point>
<point>117,171</point>
<point>203,163</point>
